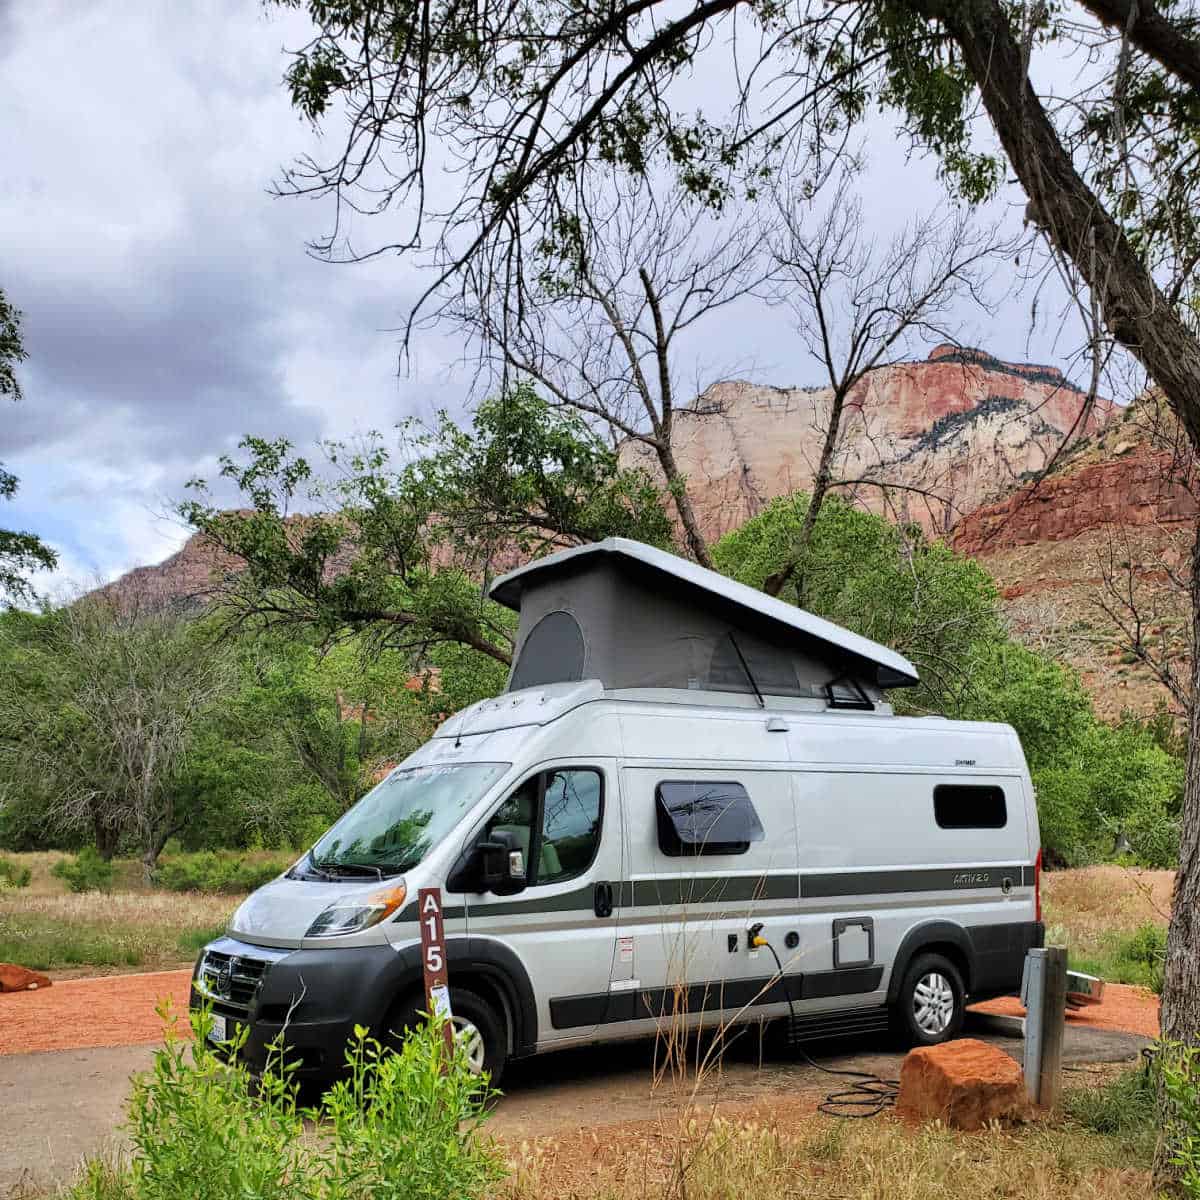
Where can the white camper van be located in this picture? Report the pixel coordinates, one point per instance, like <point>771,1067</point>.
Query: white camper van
<point>681,770</point>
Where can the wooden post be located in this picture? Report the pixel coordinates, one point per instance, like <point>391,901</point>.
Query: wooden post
<point>433,959</point>
<point>1054,1024</point>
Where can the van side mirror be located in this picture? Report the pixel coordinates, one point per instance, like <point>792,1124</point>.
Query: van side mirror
<point>501,863</point>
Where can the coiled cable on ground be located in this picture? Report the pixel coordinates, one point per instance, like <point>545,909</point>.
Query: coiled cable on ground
<point>867,1097</point>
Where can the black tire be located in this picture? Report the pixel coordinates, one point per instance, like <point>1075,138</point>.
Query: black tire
<point>931,1003</point>
<point>470,1010</point>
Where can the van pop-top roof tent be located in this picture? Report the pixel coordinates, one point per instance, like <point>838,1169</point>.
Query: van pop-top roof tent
<point>632,616</point>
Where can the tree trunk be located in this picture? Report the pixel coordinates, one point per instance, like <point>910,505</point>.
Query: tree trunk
<point>1181,986</point>
<point>794,567</point>
<point>1138,315</point>
<point>697,547</point>
<point>1181,981</point>
<point>1143,320</point>
<point>106,837</point>
<point>1135,311</point>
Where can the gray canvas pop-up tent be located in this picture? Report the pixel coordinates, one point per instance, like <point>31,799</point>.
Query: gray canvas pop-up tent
<point>632,616</point>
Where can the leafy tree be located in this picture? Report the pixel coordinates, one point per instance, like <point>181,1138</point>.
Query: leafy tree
<point>399,554</point>
<point>99,716</point>
<point>885,581</point>
<point>20,553</point>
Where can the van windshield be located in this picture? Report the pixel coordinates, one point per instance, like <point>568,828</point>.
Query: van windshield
<point>396,823</point>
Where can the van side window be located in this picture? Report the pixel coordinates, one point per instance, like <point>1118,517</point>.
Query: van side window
<point>570,824</point>
<point>564,808</point>
<point>969,806</point>
<point>705,818</point>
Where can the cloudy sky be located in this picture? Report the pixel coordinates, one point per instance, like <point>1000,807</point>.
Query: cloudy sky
<point>169,304</point>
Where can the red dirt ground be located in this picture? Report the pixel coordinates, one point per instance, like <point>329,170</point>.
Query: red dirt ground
<point>1131,1009</point>
<point>117,1010</point>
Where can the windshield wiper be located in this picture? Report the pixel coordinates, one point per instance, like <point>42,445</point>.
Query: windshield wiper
<point>316,868</point>
<point>351,868</point>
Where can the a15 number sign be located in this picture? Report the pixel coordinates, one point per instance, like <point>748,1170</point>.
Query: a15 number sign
<point>433,957</point>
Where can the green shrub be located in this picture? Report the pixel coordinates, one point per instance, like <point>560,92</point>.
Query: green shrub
<point>1179,1067</point>
<point>13,875</point>
<point>86,872</point>
<point>1141,957</point>
<point>402,1124</point>
<point>214,871</point>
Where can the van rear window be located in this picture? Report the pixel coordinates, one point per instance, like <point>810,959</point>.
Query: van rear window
<point>705,818</point>
<point>969,806</point>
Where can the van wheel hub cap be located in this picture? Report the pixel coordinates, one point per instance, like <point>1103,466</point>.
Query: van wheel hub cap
<point>471,1040</point>
<point>933,1003</point>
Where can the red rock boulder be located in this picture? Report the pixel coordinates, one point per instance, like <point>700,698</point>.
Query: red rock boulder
<point>18,979</point>
<point>965,1084</point>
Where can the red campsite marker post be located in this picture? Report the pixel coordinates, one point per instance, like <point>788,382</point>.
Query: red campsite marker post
<point>433,958</point>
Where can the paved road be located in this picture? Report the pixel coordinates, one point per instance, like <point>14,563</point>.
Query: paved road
<point>60,1106</point>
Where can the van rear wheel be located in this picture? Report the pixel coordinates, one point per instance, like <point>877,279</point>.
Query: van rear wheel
<point>930,1006</point>
<point>478,1029</point>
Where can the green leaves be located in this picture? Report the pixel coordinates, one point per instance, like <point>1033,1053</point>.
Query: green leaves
<point>939,610</point>
<point>20,553</point>
<point>890,584</point>
<point>400,1124</point>
<point>405,540</point>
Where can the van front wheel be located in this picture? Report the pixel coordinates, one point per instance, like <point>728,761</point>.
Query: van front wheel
<point>929,1008</point>
<point>478,1029</point>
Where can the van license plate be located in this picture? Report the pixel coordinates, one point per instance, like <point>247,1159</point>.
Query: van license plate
<point>218,1032</point>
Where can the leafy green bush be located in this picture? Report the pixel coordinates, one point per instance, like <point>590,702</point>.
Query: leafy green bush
<point>13,875</point>
<point>86,872</point>
<point>213,871</point>
<point>402,1124</point>
<point>1141,957</point>
<point>1179,1067</point>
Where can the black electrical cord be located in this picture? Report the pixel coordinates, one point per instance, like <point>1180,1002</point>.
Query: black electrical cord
<point>872,1094</point>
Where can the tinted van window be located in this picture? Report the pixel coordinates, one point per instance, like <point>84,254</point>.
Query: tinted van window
<point>705,818</point>
<point>969,806</point>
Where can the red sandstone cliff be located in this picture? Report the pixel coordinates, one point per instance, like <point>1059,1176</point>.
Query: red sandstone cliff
<point>947,435</point>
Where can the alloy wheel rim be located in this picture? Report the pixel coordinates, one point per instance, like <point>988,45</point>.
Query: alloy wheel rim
<point>933,1003</point>
<point>467,1034</point>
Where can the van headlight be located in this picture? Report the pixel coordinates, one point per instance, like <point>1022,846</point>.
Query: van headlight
<point>357,913</point>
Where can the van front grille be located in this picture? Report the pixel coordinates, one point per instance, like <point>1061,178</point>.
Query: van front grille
<point>232,978</point>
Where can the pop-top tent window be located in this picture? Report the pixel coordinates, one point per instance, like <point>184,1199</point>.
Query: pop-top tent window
<point>552,653</point>
<point>632,616</point>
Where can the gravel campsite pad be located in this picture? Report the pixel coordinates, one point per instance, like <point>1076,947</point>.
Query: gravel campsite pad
<point>1130,1009</point>
<point>118,1010</point>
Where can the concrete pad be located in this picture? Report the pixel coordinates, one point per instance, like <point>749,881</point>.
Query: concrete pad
<point>60,1107</point>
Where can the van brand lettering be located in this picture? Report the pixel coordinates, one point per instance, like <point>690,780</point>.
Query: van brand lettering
<point>972,879</point>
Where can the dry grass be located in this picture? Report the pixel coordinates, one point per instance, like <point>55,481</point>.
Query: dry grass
<point>1092,911</point>
<point>47,928</point>
<point>821,1158</point>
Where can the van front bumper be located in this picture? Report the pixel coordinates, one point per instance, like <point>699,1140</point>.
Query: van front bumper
<point>307,1001</point>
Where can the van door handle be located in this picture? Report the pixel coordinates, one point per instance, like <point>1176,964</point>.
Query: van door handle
<point>603,900</point>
